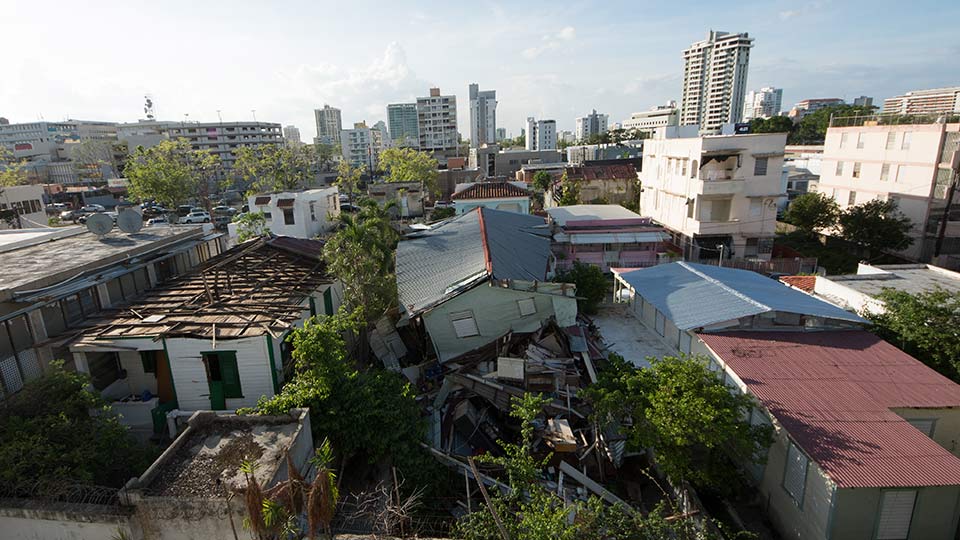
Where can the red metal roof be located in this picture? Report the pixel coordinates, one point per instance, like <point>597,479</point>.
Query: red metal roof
<point>833,392</point>
<point>804,283</point>
<point>490,190</point>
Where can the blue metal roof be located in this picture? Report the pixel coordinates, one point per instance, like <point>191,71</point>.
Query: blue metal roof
<point>697,295</point>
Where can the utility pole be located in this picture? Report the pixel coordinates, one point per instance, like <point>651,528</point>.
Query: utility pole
<point>720,260</point>
<point>954,173</point>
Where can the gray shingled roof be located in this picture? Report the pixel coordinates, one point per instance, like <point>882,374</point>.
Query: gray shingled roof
<point>446,260</point>
<point>697,295</point>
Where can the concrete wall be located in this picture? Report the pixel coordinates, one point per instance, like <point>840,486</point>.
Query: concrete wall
<point>66,522</point>
<point>496,312</point>
<point>946,429</point>
<point>934,514</point>
<point>190,377</point>
<point>845,297</point>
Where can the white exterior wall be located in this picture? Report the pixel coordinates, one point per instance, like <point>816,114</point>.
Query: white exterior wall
<point>648,121</point>
<point>846,297</point>
<point>326,209</point>
<point>714,80</point>
<point>22,196</point>
<point>190,376</point>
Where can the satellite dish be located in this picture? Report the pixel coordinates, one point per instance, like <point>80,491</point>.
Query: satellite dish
<point>129,221</point>
<point>99,224</point>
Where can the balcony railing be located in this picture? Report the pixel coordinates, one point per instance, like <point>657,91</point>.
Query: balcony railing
<point>893,119</point>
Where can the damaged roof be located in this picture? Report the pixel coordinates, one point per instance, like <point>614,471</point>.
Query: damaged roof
<point>697,295</point>
<point>471,248</point>
<point>252,289</point>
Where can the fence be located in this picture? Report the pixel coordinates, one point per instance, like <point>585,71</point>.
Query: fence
<point>793,266</point>
<point>60,492</point>
<point>892,119</point>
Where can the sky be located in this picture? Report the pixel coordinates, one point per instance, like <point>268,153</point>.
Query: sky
<point>552,60</point>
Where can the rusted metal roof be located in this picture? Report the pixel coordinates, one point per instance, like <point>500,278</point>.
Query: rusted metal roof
<point>490,190</point>
<point>261,200</point>
<point>602,172</point>
<point>804,283</point>
<point>833,393</point>
<point>285,203</point>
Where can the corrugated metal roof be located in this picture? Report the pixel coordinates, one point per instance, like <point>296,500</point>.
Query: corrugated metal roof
<point>490,190</point>
<point>285,203</point>
<point>833,392</point>
<point>261,200</point>
<point>586,237</point>
<point>697,295</point>
<point>451,257</point>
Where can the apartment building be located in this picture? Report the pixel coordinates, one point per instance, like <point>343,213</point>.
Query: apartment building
<point>649,121</point>
<point>592,124</point>
<point>909,164</point>
<point>437,122</point>
<point>329,125</point>
<point>714,193</point>
<point>403,124</point>
<point>807,106</point>
<point>361,146</point>
<point>43,140</point>
<point>762,103</point>
<point>541,134</point>
<point>222,139</point>
<point>483,116</point>
<point>291,135</point>
<point>715,80</point>
<point>933,101</point>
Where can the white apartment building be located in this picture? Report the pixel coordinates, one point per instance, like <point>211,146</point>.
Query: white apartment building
<point>329,125</point>
<point>540,134</point>
<point>300,214</point>
<point>483,116</point>
<point>361,146</point>
<point>437,122</point>
<point>291,134</point>
<point>906,163</point>
<point>222,139</point>
<point>807,106</point>
<point>762,103</point>
<point>592,124</point>
<point>713,191</point>
<point>933,101</point>
<point>715,80</point>
<point>659,116</point>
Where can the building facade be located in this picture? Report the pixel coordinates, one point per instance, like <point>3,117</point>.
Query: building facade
<point>329,125</point>
<point>716,194</point>
<point>541,134</point>
<point>933,101</point>
<point>807,106</point>
<point>715,80</point>
<point>437,122</point>
<point>361,146</point>
<point>291,134</point>
<point>483,116</point>
<point>648,121</point>
<point>762,103</point>
<point>223,139</point>
<point>403,125</point>
<point>493,162</point>
<point>592,124</point>
<point>298,214</point>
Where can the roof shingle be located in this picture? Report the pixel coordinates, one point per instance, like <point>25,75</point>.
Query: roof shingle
<point>491,190</point>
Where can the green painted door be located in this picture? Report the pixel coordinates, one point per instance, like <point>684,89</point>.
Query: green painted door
<point>218,401</point>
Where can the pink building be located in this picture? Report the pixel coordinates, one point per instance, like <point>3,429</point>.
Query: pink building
<point>605,235</point>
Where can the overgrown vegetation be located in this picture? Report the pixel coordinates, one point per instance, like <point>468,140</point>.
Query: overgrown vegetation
<point>12,170</point>
<point>276,167</point>
<point>812,129</point>
<point>877,226</point>
<point>170,173</point>
<point>348,179</point>
<point>542,181</point>
<point>409,165</point>
<point>49,436</point>
<point>812,212</point>
<point>591,284</point>
<point>442,213</point>
<point>251,225</point>
<point>569,191</point>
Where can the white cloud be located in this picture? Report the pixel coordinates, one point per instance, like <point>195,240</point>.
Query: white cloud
<point>551,42</point>
<point>568,33</point>
<point>789,14</point>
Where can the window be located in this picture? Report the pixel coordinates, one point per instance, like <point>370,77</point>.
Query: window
<point>222,367</point>
<point>896,177</point>
<point>860,140</point>
<point>896,513</point>
<point>268,216</point>
<point>760,166</point>
<point>891,140</point>
<point>839,168</point>
<point>693,169</point>
<point>464,324</point>
<point>149,361</point>
<point>715,210</point>
<point>313,210</point>
<point>527,306</point>
<point>852,198</point>
<point>905,144</point>
<point>856,169</point>
<point>843,139</point>
<point>925,425</point>
<point>795,473</point>
<point>690,205</point>
<point>288,216</point>
<point>884,172</point>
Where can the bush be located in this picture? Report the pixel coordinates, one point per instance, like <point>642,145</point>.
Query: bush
<point>591,285</point>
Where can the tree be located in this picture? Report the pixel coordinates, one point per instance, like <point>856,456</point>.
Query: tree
<point>348,178</point>
<point>811,212</point>
<point>925,325</point>
<point>877,226</point>
<point>812,129</point>
<point>774,124</point>
<point>681,409</point>
<point>409,165</point>
<point>170,173</point>
<point>326,154</point>
<point>48,435</point>
<point>442,213</point>
<point>251,225</point>
<point>542,181</point>
<point>570,191</point>
<point>275,167</point>
<point>12,170</point>
<point>591,285</point>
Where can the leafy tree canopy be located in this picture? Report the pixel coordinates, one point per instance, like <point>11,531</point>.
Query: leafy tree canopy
<point>876,225</point>
<point>409,165</point>
<point>12,170</point>
<point>774,124</point>
<point>570,191</point>
<point>811,212</point>
<point>812,129</point>
<point>171,172</point>
<point>542,181</point>
<point>275,167</point>
<point>348,178</point>
<point>251,225</point>
<point>591,285</point>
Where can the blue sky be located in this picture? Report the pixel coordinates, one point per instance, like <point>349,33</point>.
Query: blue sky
<point>546,59</point>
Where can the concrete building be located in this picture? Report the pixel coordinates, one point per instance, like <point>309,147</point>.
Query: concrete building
<point>493,162</point>
<point>501,134</point>
<point>762,103</point>
<point>361,146</point>
<point>659,116</point>
<point>383,135</point>
<point>807,106</point>
<point>21,207</point>
<point>801,171</point>
<point>403,124</point>
<point>437,122</point>
<point>483,116</point>
<point>223,139</point>
<point>504,196</point>
<point>45,140</point>
<point>540,134</point>
<point>613,182</point>
<point>297,214</point>
<point>566,137</point>
<point>583,153</point>
<point>714,191</point>
<point>909,164</point>
<point>407,195</point>
<point>863,101</point>
<point>145,133</point>
<point>604,235</point>
<point>592,124</point>
<point>715,80</point>
<point>933,101</point>
<point>858,292</point>
<point>291,134</point>
<point>329,125</point>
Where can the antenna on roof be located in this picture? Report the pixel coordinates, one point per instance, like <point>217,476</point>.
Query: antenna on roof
<point>129,221</point>
<point>99,224</point>
<point>148,107</point>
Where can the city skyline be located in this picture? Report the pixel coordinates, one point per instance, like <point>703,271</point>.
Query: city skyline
<point>808,49</point>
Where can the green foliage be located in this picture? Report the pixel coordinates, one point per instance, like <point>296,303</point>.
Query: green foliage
<point>774,124</point>
<point>522,468</point>
<point>442,213</point>
<point>570,191</point>
<point>348,178</point>
<point>47,434</point>
<point>325,154</point>
<point>170,173</point>
<point>812,129</point>
<point>251,225</point>
<point>12,171</point>
<point>275,167</point>
<point>924,325</point>
<point>542,181</point>
<point>811,212</point>
<point>876,225</point>
<point>591,285</point>
<point>682,410</point>
<point>409,165</point>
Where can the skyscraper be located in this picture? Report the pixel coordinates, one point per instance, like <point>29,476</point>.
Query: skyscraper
<point>402,121</point>
<point>541,134</point>
<point>762,103</point>
<point>592,124</point>
<point>483,116</point>
<point>437,122</point>
<point>328,125</point>
<point>715,80</point>
<point>291,134</point>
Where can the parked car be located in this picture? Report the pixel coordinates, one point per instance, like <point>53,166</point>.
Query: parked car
<point>184,209</point>
<point>443,204</point>
<point>159,220</point>
<point>223,210</point>
<point>69,215</point>
<point>196,217</point>
<point>155,211</point>
<point>57,208</point>
<point>92,208</point>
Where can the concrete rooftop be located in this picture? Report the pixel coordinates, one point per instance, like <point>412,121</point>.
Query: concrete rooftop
<point>910,278</point>
<point>628,337</point>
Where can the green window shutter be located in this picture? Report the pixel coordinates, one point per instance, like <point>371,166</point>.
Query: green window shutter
<point>149,361</point>
<point>230,375</point>
<point>328,300</point>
